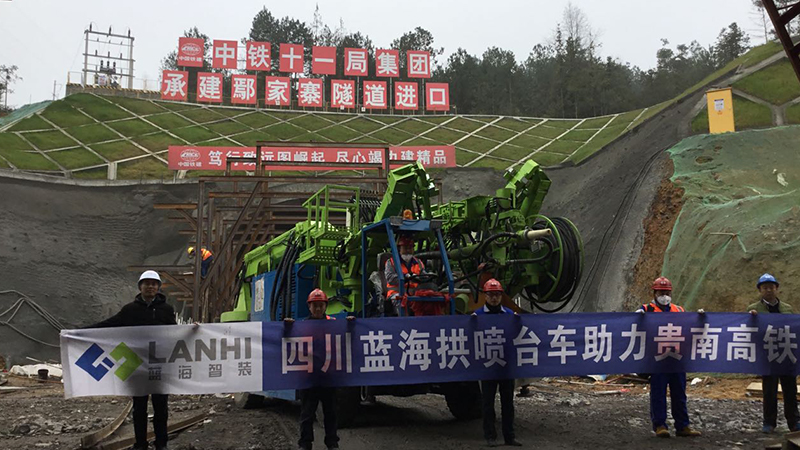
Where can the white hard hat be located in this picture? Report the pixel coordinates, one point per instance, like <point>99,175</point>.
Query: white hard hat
<point>149,275</point>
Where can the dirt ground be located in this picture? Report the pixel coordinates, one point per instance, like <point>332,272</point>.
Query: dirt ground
<point>556,414</point>
<point>658,227</point>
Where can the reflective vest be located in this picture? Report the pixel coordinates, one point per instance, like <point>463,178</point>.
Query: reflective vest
<point>415,268</point>
<point>653,307</point>
<point>205,253</point>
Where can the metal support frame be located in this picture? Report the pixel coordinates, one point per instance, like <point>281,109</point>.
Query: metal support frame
<point>234,214</point>
<point>780,20</point>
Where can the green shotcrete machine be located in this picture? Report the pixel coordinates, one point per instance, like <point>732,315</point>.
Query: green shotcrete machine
<point>462,243</point>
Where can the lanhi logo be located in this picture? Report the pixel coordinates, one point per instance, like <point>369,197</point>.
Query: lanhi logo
<point>99,370</point>
<point>190,154</point>
<point>192,49</point>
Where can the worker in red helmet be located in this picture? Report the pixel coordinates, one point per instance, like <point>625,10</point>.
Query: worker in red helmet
<point>494,296</point>
<point>410,265</point>
<point>311,398</point>
<point>662,302</point>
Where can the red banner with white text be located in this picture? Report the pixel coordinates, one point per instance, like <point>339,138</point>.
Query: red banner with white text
<point>214,158</point>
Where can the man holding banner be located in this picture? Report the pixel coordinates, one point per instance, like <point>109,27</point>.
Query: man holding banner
<point>768,287</point>
<point>494,295</point>
<point>662,302</point>
<point>150,307</point>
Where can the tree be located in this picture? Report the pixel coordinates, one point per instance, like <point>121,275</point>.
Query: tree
<point>731,43</point>
<point>8,76</point>
<point>417,39</point>
<point>170,62</point>
<point>267,28</point>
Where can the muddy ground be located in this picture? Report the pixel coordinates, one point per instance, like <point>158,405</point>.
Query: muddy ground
<point>555,415</point>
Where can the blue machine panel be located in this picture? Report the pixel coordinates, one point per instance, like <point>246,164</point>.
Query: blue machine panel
<point>261,288</point>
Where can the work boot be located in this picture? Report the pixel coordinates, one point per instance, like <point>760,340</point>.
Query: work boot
<point>796,427</point>
<point>491,443</point>
<point>514,443</point>
<point>688,431</point>
<point>662,431</point>
<point>767,429</point>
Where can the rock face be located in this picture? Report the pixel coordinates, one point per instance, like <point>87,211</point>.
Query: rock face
<point>68,248</point>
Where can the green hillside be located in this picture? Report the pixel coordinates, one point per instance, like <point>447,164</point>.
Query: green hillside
<point>84,133</point>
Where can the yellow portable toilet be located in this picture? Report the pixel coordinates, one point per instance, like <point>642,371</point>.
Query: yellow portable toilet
<point>720,111</point>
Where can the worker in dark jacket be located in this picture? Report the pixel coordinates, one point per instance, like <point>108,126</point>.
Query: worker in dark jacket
<point>311,398</point>
<point>148,308</point>
<point>662,303</point>
<point>494,295</point>
<point>768,288</point>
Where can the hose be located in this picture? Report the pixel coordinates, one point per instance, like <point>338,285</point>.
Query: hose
<point>25,300</point>
<point>571,268</point>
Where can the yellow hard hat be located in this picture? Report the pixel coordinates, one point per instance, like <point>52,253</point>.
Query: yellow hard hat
<point>190,250</point>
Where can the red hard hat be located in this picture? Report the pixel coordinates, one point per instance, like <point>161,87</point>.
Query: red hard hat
<point>317,295</point>
<point>492,285</point>
<point>662,284</point>
<point>405,241</point>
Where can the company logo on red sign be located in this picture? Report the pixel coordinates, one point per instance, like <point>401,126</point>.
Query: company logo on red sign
<point>191,52</point>
<point>214,158</point>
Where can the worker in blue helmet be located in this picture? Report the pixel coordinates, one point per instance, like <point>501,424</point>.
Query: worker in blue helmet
<point>770,303</point>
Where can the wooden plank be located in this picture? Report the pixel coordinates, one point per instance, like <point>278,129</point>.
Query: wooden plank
<point>172,428</point>
<point>757,389</point>
<point>180,206</point>
<point>93,439</point>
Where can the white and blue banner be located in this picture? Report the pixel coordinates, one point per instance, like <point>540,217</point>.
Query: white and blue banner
<point>255,356</point>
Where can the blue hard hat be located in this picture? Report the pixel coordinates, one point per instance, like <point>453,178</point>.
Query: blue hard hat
<point>767,278</point>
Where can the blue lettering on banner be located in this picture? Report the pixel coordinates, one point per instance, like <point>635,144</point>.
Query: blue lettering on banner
<point>391,351</point>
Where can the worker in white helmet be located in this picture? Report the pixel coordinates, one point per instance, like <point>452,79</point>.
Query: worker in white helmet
<point>150,307</point>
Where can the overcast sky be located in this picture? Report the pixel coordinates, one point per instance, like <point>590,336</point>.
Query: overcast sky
<point>45,37</point>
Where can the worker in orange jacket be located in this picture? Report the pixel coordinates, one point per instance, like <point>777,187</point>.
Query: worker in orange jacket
<point>207,256</point>
<point>410,265</point>
<point>662,302</point>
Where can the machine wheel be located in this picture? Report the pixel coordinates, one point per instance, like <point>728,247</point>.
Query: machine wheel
<point>348,399</point>
<point>464,400</point>
<point>246,400</point>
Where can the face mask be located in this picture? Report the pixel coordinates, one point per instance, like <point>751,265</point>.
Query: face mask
<point>406,258</point>
<point>664,300</point>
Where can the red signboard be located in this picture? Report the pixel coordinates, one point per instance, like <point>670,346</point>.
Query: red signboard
<point>209,87</point>
<point>174,85</point>
<point>191,52</point>
<point>243,89</point>
<point>355,62</point>
<point>406,95</point>
<point>387,63</point>
<point>291,58</point>
<point>437,97</point>
<point>375,95</point>
<point>343,94</point>
<point>224,54</point>
<point>323,60</point>
<point>259,56</point>
<point>309,92</point>
<point>213,158</point>
<point>278,91</point>
<point>419,64</point>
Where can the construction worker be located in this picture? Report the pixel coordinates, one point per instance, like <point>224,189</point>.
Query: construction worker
<point>768,286</point>
<point>311,398</point>
<point>494,295</point>
<point>207,256</point>
<point>410,265</point>
<point>662,302</point>
<point>150,307</point>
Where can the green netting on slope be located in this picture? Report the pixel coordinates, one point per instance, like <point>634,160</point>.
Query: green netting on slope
<point>741,217</point>
<point>23,112</point>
